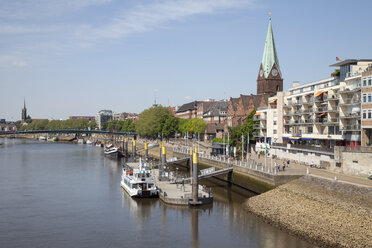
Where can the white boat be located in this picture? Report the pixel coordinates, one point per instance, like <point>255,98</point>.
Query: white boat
<point>89,142</point>
<point>42,138</point>
<point>138,181</point>
<point>113,152</point>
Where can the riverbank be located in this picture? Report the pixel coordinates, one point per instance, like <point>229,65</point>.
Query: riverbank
<point>324,212</point>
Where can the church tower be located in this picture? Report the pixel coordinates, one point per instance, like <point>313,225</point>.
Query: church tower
<point>24,112</point>
<point>269,78</point>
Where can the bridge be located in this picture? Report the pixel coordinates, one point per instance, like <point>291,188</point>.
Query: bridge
<point>69,131</point>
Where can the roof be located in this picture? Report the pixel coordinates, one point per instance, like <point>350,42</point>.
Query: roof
<point>270,56</point>
<point>187,106</point>
<point>216,108</point>
<point>350,62</point>
<point>213,127</point>
<point>234,103</point>
<point>256,100</point>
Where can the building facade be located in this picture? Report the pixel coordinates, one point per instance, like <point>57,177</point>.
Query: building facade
<point>324,113</point>
<point>103,116</point>
<point>366,91</point>
<point>216,113</point>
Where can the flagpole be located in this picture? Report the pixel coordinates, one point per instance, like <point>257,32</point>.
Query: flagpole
<point>265,153</point>
<point>247,147</point>
<point>242,147</point>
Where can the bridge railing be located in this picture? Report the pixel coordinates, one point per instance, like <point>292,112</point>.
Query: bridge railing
<point>68,131</point>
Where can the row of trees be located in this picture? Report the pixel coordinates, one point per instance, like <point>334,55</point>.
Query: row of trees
<point>45,124</point>
<point>116,125</point>
<point>159,120</point>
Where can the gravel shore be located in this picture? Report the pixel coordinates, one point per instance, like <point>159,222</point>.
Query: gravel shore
<point>324,212</point>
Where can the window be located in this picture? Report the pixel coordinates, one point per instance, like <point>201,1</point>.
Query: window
<point>365,82</point>
<point>369,97</point>
<point>216,118</point>
<point>275,131</point>
<point>274,123</point>
<point>369,81</point>
<point>364,97</point>
<point>364,114</point>
<point>369,114</point>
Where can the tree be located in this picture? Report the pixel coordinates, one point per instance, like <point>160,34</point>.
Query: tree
<point>196,125</point>
<point>170,126</point>
<point>152,120</point>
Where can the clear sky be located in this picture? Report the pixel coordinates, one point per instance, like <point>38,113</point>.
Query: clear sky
<point>76,57</point>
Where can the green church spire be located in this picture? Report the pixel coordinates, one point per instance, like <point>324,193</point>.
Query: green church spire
<point>269,56</point>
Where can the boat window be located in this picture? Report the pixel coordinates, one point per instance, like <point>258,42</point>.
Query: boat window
<point>150,185</point>
<point>134,186</point>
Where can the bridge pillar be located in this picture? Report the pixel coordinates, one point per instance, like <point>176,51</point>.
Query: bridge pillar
<point>195,192</point>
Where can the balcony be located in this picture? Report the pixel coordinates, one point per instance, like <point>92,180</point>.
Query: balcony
<point>308,101</point>
<point>334,97</point>
<point>318,99</point>
<point>321,109</point>
<point>331,121</point>
<point>333,109</point>
<point>296,103</point>
<point>350,115</point>
<point>351,128</point>
<point>349,101</point>
<point>344,90</point>
<point>256,126</point>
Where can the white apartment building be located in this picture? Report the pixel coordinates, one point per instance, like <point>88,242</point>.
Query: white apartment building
<point>268,125</point>
<point>103,116</point>
<point>323,113</point>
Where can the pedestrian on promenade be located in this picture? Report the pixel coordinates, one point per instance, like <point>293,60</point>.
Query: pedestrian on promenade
<point>283,165</point>
<point>288,163</point>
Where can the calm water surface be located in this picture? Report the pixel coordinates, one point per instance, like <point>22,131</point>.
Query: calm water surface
<point>67,195</point>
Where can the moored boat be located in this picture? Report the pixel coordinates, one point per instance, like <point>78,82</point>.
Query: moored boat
<point>138,181</point>
<point>113,152</point>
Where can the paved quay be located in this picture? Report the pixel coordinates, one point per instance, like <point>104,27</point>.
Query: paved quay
<point>178,194</point>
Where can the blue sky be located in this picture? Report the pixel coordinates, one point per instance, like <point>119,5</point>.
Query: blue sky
<point>76,57</point>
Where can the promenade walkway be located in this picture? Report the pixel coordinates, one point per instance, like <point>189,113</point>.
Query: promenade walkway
<point>300,168</point>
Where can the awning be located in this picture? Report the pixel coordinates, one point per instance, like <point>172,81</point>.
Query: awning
<point>322,114</point>
<point>318,93</point>
<point>294,138</point>
<point>258,113</point>
<point>306,139</point>
<point>273,100</point>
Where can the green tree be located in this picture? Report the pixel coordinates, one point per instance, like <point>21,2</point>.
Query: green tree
<point>196,125</point>
<point>170,126</point>
<point>152,120</point>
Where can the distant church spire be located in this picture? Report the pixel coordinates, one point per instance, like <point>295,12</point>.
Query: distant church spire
<point>269,77</point>
<point>24,111</point>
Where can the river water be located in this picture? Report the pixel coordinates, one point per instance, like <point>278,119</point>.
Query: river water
<point>68,195</point>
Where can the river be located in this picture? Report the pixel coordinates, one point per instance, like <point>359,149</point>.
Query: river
<point>68,195</point>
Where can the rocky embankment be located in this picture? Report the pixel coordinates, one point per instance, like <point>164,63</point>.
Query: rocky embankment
<point>324,212</point>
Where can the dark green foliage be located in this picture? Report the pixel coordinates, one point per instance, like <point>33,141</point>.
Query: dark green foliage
<point>152,121</point>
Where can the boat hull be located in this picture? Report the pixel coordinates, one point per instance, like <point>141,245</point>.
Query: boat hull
<point>114,155</point>
<point>139,193</point>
